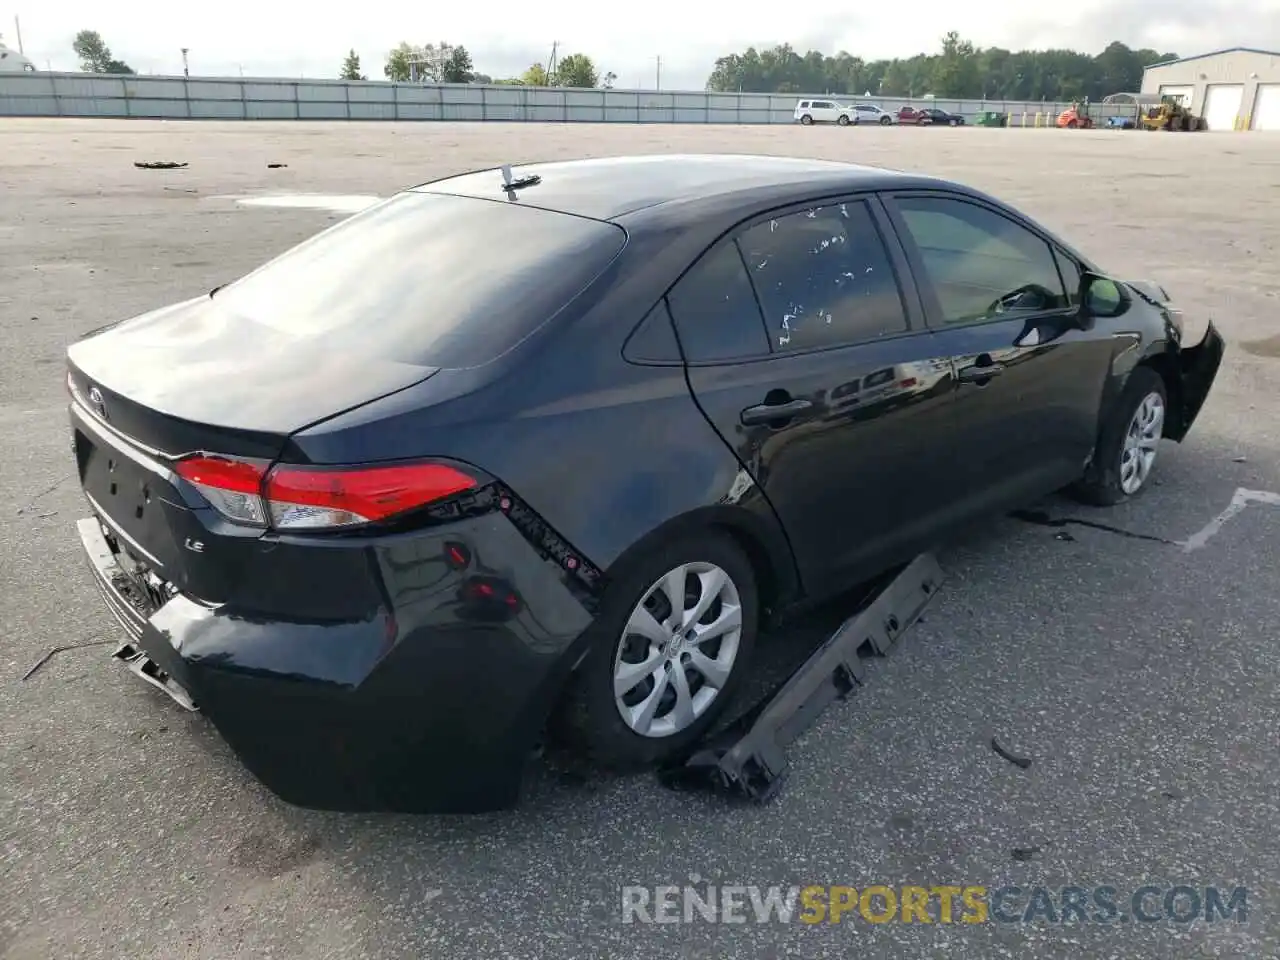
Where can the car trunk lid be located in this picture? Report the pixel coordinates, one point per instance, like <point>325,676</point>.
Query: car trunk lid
<point>179,381</point>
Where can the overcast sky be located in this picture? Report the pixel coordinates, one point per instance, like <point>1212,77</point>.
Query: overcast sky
<point>267,38</point>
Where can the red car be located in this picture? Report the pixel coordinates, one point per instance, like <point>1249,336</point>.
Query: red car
<point>929,116</point>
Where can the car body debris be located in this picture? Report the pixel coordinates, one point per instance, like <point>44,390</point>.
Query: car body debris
<point>1017,761</point>
<point>1042,519</point>
<point>748,759</point>
<point>57,650</point>
<point>158,164</point>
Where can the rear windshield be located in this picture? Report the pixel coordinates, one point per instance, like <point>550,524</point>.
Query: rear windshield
<point>427,279</point>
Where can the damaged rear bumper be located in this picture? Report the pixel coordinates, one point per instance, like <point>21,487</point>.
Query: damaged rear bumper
<point>415,715</point>
<point>1198,367</point>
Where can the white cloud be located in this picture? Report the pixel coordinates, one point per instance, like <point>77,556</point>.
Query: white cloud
<point>293,39</point>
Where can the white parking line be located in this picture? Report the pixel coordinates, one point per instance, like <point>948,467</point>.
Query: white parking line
<point>1241,499</point>
<point>338,203</point>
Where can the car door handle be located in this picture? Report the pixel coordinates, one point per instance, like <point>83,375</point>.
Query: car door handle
<point>979,374</point>
<point>774,412</point>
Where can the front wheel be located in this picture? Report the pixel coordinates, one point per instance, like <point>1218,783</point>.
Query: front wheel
<point>885,121</point>
<point>843,121</point>
<point>668,650</point>
<point>1128,442</point>
<point>806,120</point>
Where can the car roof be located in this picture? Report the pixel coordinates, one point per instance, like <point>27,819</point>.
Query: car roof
<point>605,188</point>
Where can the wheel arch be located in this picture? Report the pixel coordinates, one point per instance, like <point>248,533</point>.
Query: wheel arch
<point>761,540</point>
<point>1165,364</point>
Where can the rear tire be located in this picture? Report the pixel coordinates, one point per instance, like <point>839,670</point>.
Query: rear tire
<point>1127,446</point>
<point>590,718</point>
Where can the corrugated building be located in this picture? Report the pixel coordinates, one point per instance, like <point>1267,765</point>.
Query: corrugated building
<point>1236,89</point>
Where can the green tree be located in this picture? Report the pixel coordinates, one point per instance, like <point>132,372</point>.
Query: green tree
<point>95,56</point>
<point>576,70</point>
<point>397,66</point>
<point>955,72</point>
<point>351,68</point>
<point>457,67</point>
<point>535,76</point>
<point>958,71</point>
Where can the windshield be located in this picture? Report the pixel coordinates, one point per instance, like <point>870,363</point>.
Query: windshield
<point>428,279</point>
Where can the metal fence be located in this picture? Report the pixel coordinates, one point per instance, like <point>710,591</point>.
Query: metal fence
<point>226,98</point>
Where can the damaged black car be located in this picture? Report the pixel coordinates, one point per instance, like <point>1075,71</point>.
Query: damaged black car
<point>547,447</point>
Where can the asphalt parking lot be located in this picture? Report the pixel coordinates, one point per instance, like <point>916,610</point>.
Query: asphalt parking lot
<point>1140,676</point>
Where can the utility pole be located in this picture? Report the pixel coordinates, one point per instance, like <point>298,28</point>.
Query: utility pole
<point>185,72</point>
<point>552,65</point>
<point>18,29</point>
<point>658,74</point>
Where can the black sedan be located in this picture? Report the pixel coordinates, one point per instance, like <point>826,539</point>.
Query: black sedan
<point>935,117</point>
<point>547,447</point>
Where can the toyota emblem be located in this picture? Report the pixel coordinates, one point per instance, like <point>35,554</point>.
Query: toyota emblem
<point>99,405</point>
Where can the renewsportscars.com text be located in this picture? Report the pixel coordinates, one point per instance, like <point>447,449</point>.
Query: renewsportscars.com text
<point>943,903</point>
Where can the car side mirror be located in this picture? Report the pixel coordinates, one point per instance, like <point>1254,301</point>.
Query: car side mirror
<point>1102,297</point>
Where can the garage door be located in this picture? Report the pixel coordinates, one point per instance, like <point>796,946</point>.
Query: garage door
<point>1222,105</point>
<point>1266,108</point>
<point>1182,93</point>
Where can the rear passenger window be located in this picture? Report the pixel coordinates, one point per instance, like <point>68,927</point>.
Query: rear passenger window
<point>715,310</point>
<point>653,341</point>
<point>824,278</point>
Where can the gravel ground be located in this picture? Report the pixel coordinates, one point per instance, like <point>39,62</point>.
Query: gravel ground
<point>1139,677</point>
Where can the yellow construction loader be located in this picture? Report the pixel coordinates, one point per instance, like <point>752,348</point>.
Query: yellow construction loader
<point>1169,115</point>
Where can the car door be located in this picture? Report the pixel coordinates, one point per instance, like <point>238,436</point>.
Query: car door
<point>1003,300</point>
<point>805,348</point>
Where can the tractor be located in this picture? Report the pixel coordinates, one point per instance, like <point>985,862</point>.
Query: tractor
<point>1170,115</point>
<point>1076,117</point>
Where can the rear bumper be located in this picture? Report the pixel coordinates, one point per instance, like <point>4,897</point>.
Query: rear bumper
<point>433,706</point>
<point>1198,367</point>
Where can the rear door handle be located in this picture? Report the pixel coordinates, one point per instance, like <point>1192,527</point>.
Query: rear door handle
<point>979,374</point>
<point>774,412</point>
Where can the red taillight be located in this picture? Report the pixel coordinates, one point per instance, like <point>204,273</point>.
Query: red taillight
<point>319,498</point>
<point>234,487</point>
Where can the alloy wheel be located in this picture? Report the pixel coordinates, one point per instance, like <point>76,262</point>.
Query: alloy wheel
<point>1141,441</point>
<point>678,649</point>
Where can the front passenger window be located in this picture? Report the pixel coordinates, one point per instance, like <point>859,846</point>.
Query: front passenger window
<point>981,265</point>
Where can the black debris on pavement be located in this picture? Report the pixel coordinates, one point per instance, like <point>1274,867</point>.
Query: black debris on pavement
<point>1022,762</point>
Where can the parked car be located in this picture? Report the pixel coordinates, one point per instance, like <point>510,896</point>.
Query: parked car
<point>386,504</point>
<point>870,113</point>
<point>824,111</point>
<point>929,116</point>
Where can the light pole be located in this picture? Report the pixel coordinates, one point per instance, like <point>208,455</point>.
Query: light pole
<point>185,71</point>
